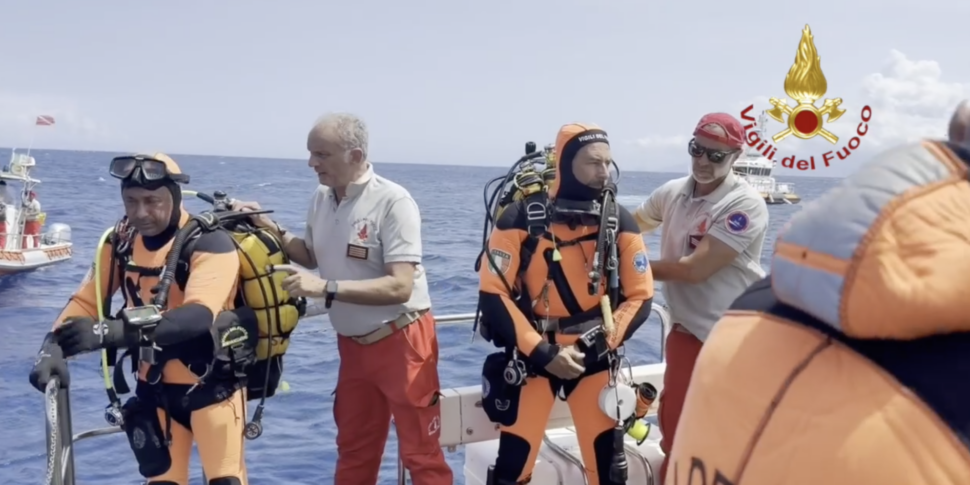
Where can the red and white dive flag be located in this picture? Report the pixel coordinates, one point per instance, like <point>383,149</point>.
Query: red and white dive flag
<point>45,120</point>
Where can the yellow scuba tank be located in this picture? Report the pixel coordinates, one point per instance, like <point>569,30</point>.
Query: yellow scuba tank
<point>259,291</point>
<point>262,291</point>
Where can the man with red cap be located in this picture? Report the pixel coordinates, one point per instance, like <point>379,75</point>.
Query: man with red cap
<point>714,227</point>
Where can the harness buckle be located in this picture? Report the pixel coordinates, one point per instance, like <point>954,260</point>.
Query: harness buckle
<point>208,220</point>
<point>123,236</point>
<point>536,213</point>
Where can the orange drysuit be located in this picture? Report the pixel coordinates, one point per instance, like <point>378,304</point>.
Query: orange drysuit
<point>213,414</point>
<point>559,290</point>
<point>849,364</point>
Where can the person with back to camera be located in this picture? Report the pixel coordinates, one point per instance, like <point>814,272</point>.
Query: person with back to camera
<point>714,227</point>
<point>848,364</point>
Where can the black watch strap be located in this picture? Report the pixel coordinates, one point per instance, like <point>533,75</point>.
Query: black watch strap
<point>279,229</point>
<point>331,293</point>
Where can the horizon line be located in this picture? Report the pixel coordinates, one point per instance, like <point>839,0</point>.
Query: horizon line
<point>372,161</point>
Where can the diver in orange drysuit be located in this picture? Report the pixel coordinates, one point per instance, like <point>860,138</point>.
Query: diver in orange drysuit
<point>849,364</point>
<point>556,280</point>
<point>213,413</point>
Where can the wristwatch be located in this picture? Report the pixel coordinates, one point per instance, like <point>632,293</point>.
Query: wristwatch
<point>279,229</point>
<point>331,292</point>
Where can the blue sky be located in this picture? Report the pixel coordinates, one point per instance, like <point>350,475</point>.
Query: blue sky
<point>453,82</point>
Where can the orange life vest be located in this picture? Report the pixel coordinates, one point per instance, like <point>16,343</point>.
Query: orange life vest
<point>850,363</point>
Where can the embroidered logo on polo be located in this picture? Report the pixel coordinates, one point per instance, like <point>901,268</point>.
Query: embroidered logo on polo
<point>361,233</point>
<point>698,231</point>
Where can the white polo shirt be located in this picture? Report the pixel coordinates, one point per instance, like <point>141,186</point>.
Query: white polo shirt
<point>736,214</point>
<point>32,210</point>
<point>376,223</point>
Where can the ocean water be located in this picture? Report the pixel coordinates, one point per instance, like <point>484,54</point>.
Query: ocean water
<point>297,446</point>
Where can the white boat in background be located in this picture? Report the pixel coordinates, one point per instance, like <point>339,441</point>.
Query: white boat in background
<point>756,169</point>
<point>19,252</point>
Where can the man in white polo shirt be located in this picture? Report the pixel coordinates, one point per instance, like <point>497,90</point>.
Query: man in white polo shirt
<point>364,234</point>
<point>714,227</point>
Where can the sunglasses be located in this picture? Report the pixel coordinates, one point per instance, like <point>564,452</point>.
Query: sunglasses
<point>715,156</point>
<point>151,169</point>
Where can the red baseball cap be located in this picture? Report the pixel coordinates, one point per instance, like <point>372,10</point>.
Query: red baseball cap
<point>731,126</point>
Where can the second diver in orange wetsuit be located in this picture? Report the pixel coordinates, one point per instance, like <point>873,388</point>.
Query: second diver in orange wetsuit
<point>556,343</point>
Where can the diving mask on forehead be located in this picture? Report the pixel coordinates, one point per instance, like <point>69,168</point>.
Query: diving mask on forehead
<point>143,169</point>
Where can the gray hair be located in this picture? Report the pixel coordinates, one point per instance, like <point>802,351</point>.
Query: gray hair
<point>350,130</point>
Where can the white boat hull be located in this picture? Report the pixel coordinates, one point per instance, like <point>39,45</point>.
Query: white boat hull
<point>553,469</point>
<point>463,422</point>
<point>20,260</point>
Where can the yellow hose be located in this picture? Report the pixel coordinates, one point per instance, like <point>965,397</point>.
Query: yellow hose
<point>608,324</point>
<point>99,297</point>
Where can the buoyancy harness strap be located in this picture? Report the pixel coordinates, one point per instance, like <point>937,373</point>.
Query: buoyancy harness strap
<point>122,252</point>
<point>537,226</point>
<point>121,240</point>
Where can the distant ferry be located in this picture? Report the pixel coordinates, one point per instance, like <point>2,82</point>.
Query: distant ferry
<point>755,168</point>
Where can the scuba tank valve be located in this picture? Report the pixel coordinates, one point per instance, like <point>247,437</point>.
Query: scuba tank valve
<point>530,147</point>
<point>220,201</point>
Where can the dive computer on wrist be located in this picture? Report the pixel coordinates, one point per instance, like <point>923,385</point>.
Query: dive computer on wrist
<point>331,293</point>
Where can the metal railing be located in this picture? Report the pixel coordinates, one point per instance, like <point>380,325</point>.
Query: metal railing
<point>60,452</point>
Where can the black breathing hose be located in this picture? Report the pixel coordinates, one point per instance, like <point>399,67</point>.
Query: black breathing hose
<point>171,263</point>
<point>187,232</point>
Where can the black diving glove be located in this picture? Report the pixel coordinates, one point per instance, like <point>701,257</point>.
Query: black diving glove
<point>50,363</point>
<point>78,335</point>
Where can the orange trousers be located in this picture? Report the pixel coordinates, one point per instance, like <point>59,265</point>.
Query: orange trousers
<point>396,376</point>
<point>3,235</point>
<point>31,231</point>
<point>682,349</point>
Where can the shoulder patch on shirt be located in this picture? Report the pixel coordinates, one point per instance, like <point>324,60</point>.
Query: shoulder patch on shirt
<point>737,222</point>
<point>501,259</point>
<point>640,262</point>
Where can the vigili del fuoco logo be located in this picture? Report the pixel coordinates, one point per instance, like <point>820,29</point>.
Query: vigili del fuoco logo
<point>805,84</point>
